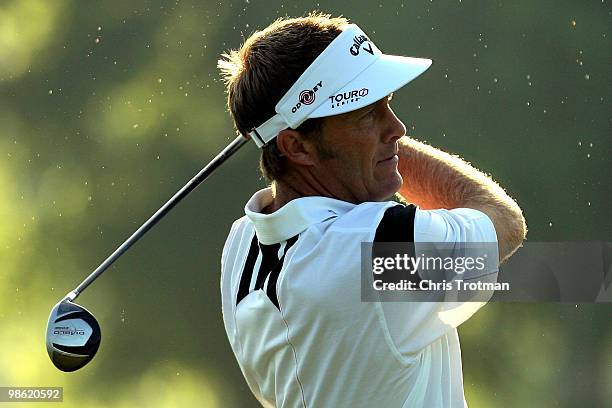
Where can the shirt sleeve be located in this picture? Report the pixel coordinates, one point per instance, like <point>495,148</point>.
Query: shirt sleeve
<point>457,225</point>
<point>414,325</point>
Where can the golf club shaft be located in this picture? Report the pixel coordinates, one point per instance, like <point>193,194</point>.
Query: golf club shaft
<point>182,193</point>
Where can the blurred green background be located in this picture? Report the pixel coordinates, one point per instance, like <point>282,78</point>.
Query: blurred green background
<point>107,108</point>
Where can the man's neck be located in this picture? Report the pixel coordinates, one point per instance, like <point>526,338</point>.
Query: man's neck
<point>282,194</point>
<point>295,185</point>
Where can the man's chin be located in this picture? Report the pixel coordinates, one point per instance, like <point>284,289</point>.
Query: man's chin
<point>392,186</point>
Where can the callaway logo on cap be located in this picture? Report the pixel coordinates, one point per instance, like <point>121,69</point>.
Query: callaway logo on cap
<point>349,74</point>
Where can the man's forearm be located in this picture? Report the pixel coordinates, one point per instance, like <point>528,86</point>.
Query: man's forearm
<point>436,179</point>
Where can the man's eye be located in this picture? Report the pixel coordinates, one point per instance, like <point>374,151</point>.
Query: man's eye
<point>369,113</point>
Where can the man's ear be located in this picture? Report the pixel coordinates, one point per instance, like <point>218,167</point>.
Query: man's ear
<point>296,148</point>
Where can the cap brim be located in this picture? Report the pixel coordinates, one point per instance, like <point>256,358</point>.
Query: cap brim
<point>386,75</point>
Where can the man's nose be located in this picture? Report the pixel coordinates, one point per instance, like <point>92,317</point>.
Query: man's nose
<point>394,128</point>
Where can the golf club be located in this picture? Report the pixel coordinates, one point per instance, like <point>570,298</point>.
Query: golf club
<point>73,334</point>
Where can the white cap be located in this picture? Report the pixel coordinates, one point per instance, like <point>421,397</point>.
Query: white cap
<point>349,74</point>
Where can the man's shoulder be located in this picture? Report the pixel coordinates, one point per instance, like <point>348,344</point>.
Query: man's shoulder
<point>240,227</point>
<point>240,223</point>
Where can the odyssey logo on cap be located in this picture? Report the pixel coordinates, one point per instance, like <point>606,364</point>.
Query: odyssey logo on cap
<point>350,83</point>
<point>357,41</point>
<point>307,97</point>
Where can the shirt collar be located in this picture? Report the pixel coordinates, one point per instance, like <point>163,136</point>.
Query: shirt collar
<point>292,218</point>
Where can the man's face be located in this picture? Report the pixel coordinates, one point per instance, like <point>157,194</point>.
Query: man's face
<point>357,153</point>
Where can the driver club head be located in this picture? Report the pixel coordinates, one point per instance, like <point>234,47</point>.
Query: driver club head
<point>73,336</point>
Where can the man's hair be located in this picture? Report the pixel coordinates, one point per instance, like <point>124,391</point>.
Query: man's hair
<point>264,69</point>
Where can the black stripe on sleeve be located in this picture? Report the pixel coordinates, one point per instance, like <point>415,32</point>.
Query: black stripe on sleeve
<point>245,279</point>
<point>272,294</point>
<point>397,225</point>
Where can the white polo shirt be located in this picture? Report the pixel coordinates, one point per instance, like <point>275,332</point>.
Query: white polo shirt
<point>292,309</point>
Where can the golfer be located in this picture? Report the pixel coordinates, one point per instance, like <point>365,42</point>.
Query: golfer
<point>314,93</point>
